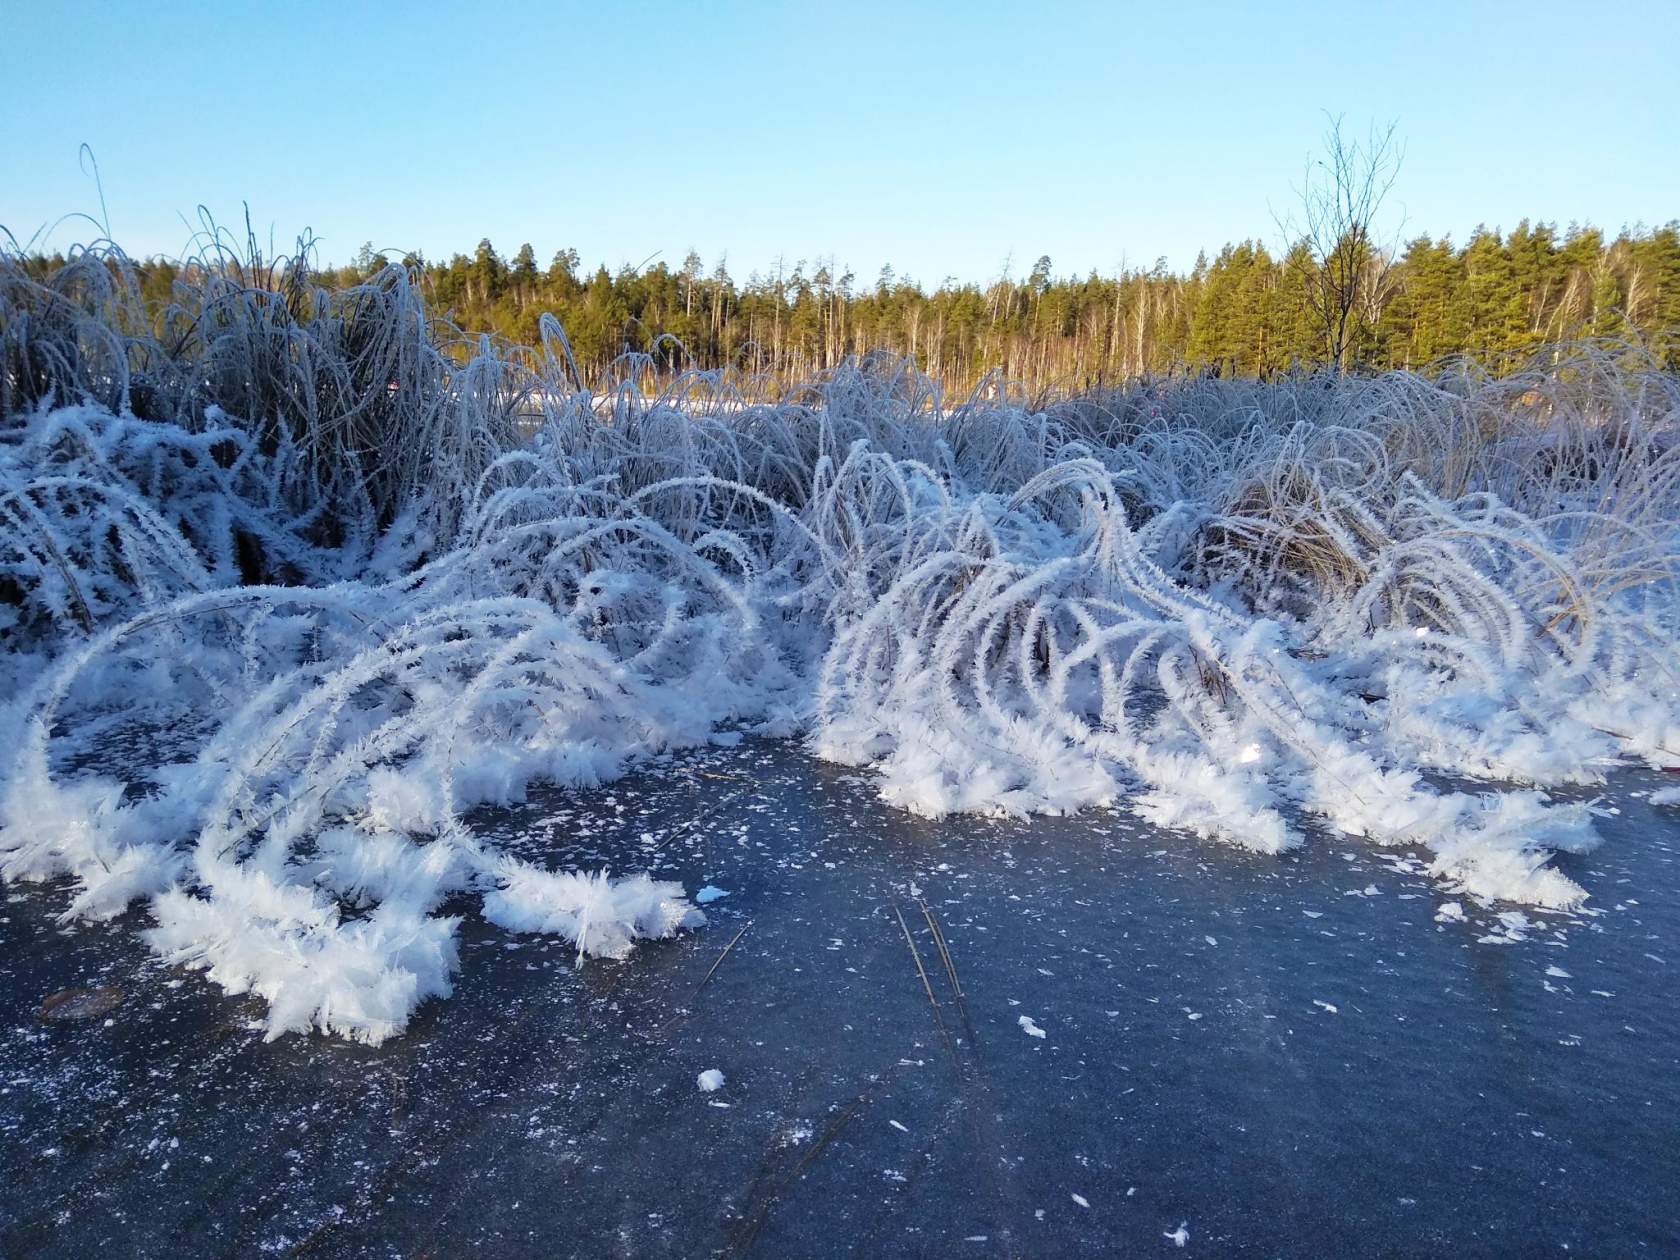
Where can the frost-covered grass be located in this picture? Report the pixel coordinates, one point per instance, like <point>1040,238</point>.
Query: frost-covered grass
<point>347,574</point>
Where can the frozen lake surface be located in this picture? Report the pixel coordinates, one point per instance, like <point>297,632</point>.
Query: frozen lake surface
<point>1281,1056</point>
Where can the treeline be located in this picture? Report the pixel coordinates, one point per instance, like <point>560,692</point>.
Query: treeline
<point>1244,312</point>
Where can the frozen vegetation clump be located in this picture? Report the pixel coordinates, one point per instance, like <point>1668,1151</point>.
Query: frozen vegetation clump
<point>291,580</point>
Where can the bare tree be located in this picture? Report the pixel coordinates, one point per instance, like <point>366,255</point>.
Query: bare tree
<point>1345,268</point>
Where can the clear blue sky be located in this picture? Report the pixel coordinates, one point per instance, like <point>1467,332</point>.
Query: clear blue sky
<point>939,137</point>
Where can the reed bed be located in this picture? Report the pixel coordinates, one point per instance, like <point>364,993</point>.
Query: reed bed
<point>340,572</point>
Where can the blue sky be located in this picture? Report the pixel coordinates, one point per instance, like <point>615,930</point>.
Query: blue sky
<point>943,138</point>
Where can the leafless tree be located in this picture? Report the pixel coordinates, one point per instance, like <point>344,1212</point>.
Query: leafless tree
<point>1345,268</point>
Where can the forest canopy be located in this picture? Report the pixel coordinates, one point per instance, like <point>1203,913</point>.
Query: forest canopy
<point>1248,311</point>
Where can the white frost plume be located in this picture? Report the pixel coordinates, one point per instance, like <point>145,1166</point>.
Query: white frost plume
<point>290,946</point>
<point>602,916</point>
